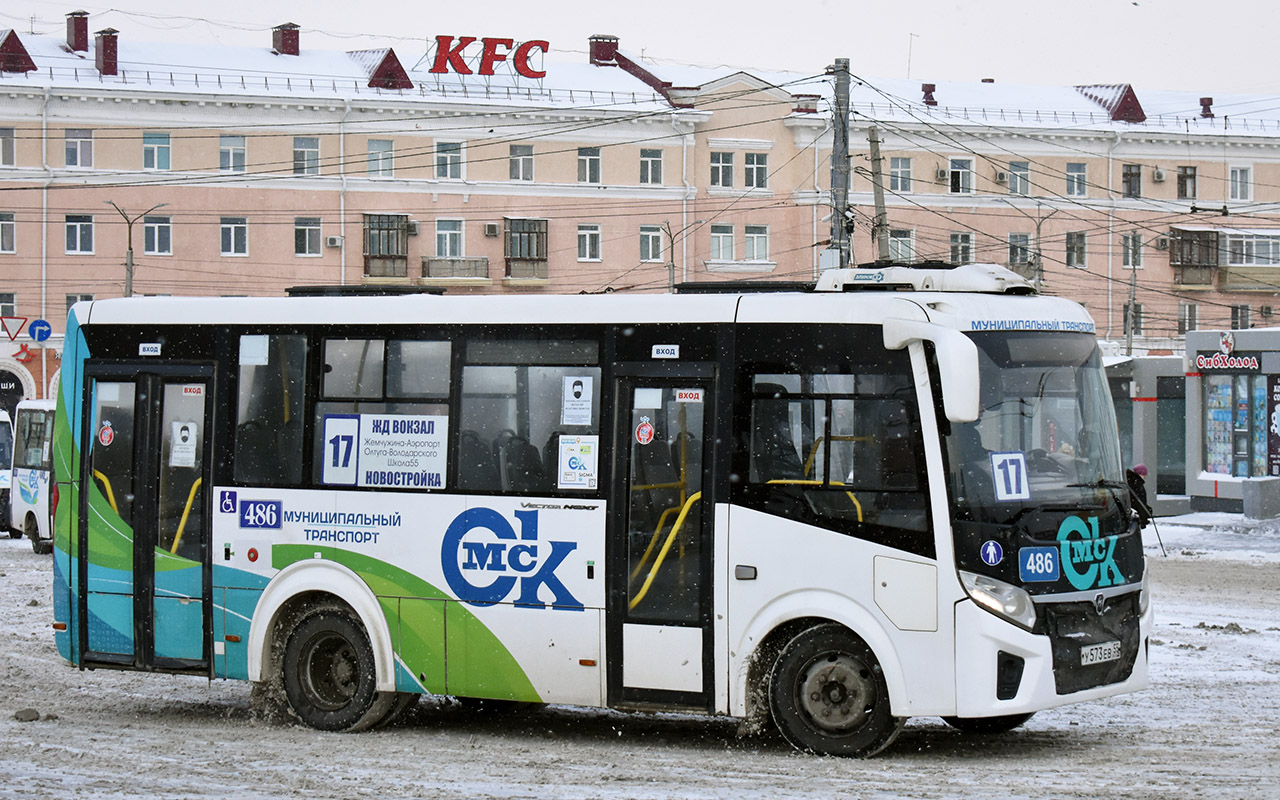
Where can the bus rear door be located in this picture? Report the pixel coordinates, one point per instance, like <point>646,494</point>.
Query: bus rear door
<point>144,520</point>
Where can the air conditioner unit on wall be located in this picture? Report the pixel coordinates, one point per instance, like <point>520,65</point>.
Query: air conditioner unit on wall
<point>492,229</point>
<point>1157,175</point>
<point>1162,242</point>
<point>943,174</point>
<point>1266,311</point>
<point>333,241</point>
<point>413,227</point>
<point>1002,176</point>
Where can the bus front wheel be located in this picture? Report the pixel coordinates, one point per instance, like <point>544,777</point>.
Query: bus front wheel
<point>329,673</point>
<point>828,695</point>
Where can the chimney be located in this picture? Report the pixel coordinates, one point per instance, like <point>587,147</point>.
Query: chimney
<point>804,103</point>
<point>78,31</point>
<point>988,80</point>
<point>107,59</point>
<point>284,38</point>
<point>1206,107</point>
<point>604,48</point>
<point>928,89</point>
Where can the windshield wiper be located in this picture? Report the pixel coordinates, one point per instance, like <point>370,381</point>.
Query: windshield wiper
<point>1103,483</point>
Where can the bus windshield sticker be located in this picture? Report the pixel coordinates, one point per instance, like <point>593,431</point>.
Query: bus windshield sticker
<point>666,351</point>
<point>575,406</point>
<point>1009,476</point>
<point>387,450</point>
<point>182,446</point>
<point>577,462</point>
<point>688,395</point>
<point>254,351</point>
<point>644,431</point>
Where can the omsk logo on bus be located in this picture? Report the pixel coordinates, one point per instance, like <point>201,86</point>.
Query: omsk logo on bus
<point>1089,560</point>
<point>484,561</point>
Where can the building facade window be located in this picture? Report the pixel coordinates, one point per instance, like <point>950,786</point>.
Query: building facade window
<point>234,236</point>
<point>72,299</point>
<point>755,245</point>
<point>8,147</point>
<point>80,234</point>
<point>525,248</point>
<point>962,248</point>
<point>79,147</point>
<point>1020,177</point>
<point>1188,317</point>
<point>1186,183</point>
<point>756,170</point>
<point>449,160</point>
<point>8,304</point>
<point>721,242</point>
<point>231,153</point>
<point>1241,183</point>
<point>306,155</point>
<point>8,232</point>
<point>1019,249</point>
<point>588,242</point>
<point>306,236</point>
<point>902,244</point>
<point>157,236</point>
<point>1240,317</point>
<point>588,165</point>
<point>1249,249</point>
<point>722,170</point>
<point>381,158</point>
<point>1076,179</point>
<point>651,167</point>
<point>900,174</point>
<point>1131,250</point>
<point>961,176</point>
<point>1131,180</point>
<point>520,162</point>
<point>386,245</point>
<point>155,151</point>
<point>650,243</point>
<point>1076,250</point>
<point>448,238</point>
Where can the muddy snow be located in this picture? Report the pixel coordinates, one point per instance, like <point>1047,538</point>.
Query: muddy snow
<point>1207,727</point>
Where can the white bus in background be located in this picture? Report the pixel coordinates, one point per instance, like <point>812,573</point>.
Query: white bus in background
<point>895,493</point>
<point>30,484</point>
<point>6,464</point>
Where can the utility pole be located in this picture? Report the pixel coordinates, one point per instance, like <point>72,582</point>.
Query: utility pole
<point>128,253</point>
<point>1037,265</point>
<point>1131,310</point>
<point>880,227</point>
<point>840,161</point>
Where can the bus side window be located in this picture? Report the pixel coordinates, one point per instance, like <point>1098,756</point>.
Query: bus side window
<point>268,446</point>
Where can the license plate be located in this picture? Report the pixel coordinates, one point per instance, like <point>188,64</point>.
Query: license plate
<point>1099,653</point>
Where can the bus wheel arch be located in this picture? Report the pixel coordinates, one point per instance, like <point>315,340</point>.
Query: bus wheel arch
<point>828,695</point>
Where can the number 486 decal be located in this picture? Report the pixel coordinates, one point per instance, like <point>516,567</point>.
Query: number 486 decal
<point>1009,474</point>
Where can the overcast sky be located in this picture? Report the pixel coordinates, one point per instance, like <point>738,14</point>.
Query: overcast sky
<point>1215,47</point>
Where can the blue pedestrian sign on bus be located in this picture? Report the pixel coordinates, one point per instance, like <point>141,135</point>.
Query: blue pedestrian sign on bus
<point>39,330</point>
<point>992,553</point>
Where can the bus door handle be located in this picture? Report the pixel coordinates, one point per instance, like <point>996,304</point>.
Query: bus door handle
<point>744,572</point>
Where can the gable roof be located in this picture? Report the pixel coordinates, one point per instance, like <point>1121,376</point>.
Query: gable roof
<point>1119,99</point>
<point>13,56</point>
<point>383,68</point>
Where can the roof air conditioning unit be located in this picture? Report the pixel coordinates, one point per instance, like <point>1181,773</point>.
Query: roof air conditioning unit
<point>413,227</point>
<point>333,241</point>
<point>492,229</point>
<point>1157,175</point>
<point>943,174</point>
<point>1002,176</point>
<point>1162,242</point>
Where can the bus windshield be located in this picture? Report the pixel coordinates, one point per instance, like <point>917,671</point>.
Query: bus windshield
<point>1046,436</point>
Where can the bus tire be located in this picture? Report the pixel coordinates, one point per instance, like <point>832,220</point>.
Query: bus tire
<point>987,725</point>
<point>827,695</point>
<point>41,547</point>
<point>330,677</point>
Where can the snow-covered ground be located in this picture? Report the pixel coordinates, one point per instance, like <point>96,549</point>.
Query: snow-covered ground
<point>1207,727</point>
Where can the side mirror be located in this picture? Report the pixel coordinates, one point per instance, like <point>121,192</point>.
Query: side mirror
<point>957,362</point>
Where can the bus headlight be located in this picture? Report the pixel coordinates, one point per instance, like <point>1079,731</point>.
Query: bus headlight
<point>1000,598</point>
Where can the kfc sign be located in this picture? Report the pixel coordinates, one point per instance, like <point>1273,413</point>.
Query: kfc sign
<point>450,55</point>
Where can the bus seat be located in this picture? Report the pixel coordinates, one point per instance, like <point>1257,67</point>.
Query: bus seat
<point>476,469</point>
<point>773,449</point>
<point>551,454</point>
<point>524,467</point>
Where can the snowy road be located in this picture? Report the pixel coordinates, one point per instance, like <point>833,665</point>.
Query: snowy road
<point>1206,729</point>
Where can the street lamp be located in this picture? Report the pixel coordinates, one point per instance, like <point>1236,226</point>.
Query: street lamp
<point>1038,265</point>
<point>671,251</point>
<point>128,253</point>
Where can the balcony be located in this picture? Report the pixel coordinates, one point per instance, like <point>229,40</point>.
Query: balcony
<point>527,269</point>
<point>1193,277</point>
<point>457,268</point>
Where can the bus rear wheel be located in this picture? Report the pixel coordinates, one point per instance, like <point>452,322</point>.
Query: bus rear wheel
<point>330,676</point>
<point>41,547</point>
<point>828,695</point>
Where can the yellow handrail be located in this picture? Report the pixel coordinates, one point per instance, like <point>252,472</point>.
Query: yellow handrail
<point>813,451</point>
<point>106,484</point>
<point>798,482</point>
<point>666,546</point>
<point>177,539</point>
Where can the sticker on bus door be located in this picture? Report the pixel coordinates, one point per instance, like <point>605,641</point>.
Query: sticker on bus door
<point>1009,476</point>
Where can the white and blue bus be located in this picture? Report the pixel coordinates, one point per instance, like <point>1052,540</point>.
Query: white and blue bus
<point>895,493</point>
<point>31,486</point>
<point>6,470</point>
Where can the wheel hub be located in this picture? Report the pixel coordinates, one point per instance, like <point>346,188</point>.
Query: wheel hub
<point>330,676</point>
<point>837,692</point>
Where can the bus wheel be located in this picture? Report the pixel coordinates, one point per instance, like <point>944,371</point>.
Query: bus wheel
<point>987,724</point>
<point>41,547</point>
<point>329,673</point>
<point>828,695</point>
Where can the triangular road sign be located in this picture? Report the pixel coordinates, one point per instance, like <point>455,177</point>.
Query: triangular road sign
<point>13,326</point>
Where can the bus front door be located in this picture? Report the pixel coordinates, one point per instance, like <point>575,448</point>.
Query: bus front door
<point>661,624</point>
<point>144,520</point>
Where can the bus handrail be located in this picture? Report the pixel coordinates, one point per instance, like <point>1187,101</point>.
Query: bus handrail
<point>106,484</point>
<point>800,482</point>
<point>821,440</point>
<point>182,524</point>
<point>666,546</point>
